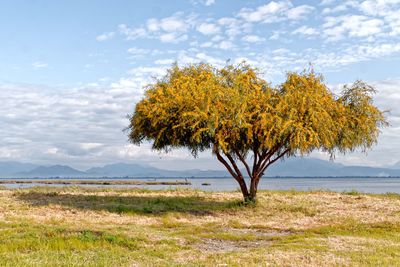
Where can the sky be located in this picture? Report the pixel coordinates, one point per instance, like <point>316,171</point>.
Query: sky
<point>71,71</point>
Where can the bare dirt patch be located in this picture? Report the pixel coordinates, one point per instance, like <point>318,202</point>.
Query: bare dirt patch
<point>262,238</point>
<point>221,245</point>
<point>261,233</point>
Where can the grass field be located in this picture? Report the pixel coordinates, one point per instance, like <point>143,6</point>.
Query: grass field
<point>73,226</point>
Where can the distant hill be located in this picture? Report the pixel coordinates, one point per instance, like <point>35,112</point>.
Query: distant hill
<point>124,169</point>
<point>298,167</point>
<point>52,171</point>
<point>395,166</point>
<point>292,167</point>
<point>9,168</point>
<point>138,170</point>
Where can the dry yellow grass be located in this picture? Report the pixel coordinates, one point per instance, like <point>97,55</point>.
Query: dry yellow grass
<point>75,226</point>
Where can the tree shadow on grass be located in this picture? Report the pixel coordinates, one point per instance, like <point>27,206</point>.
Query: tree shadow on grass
<point>194,205</point>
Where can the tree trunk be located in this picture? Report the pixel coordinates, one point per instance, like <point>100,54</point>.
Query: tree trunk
<point>243,188</point>
<point>249,196</point>
<point>255,175</point>
<point>253,188</point>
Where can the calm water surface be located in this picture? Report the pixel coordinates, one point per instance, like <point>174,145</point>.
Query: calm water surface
<point>366,185</point>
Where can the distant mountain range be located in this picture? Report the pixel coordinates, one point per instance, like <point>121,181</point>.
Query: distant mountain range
<point>52,171</point>
<point>395,166</point>
<point>292,167</point>
<point>311,167</point>
<point>22,170</point>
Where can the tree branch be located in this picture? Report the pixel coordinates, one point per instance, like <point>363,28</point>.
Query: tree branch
<point>234,165</point>
<point>260,156</point>
<point>275,159</point>
<point>239,177</point>
<point>255,161</point>
<point>243,160</point>
<point>268,154</point>
<point>267,157</point>
<point>226,164</point>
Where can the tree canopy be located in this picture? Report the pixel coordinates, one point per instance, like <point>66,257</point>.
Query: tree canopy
<point>244,119</point>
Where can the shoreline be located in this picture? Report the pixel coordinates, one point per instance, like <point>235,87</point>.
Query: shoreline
<point>98,182</point>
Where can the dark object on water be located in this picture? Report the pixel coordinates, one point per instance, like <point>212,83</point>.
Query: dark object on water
<point>206,184</point>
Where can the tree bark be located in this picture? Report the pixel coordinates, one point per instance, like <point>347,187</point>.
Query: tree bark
<point>243,188</point>
<point>253,188</point>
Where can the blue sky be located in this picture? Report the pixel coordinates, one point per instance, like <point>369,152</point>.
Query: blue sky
<point>70,71</point>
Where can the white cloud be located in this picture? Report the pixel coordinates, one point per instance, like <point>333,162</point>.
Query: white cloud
<point>52,151</point>
<point>206,44</point>
<point>143,72</point>
<point>105,36</point>
<point>171,29</point>
<point>351,54</point>
<point>131,33</point>
<point>376,51</point>
<point>185,57</point>
<point>208,28</point>
<point>227,21</point>
<point>209,59</point>
<point>275,35</point>
<point>343,6</point>
<point>138,51</point>
<point>234,27</point>
<point>327,2</point>
<point>153,25</point>
<point>336,28</point>
<point>265,13</point>
<point>50,121</point>
<point>204,2</point>
<point>387,10</point>
<point>173,37</point>
<point>378,7</point>
<point>275,12</point>
<point>90,146</point>
<point>336,9</point>
<point>173,24</point>
<point>393,20</point>
<point>39,65</point>
<point>253,39</point>
<point>225,45</point>
<point>177,23</point>
<point>164,61</point>
<point>217,38</point>
<point>299,12</point>
<point>304,30</point>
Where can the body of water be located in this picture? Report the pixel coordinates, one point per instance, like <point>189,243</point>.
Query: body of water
<point>366,185</point>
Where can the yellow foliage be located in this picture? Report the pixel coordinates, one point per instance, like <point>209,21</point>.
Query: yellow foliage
<point>232,109</point>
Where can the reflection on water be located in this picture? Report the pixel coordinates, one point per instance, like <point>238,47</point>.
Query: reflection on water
<point>366,185</point>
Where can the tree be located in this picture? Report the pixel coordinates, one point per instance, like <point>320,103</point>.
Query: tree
<point>243,119</point>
